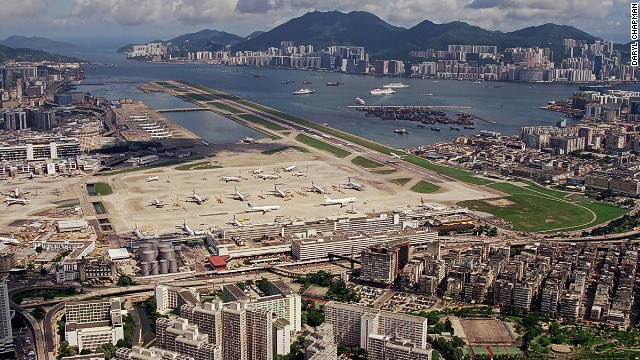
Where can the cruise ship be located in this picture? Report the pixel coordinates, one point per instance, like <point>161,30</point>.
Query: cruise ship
<point>378,91</point>
<point>360,101</point>
<point>395,86</point>
<point>303,91</point>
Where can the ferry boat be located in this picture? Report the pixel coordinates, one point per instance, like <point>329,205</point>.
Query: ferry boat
<point>303,91</point>
<point>395,86</point>
<point>402,131</point>
<point>306,82</point>
<point>435,129</point>
<point>360,101</point>
<point>378,91</point>
<point>337,83</point>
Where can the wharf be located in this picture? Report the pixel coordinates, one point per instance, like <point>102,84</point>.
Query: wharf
<point>391,107</point>
<point>482,119</point>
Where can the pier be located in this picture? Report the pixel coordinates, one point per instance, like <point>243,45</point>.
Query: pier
<point>393,107</point>
<point>482,119</point>
<point>183,110</point>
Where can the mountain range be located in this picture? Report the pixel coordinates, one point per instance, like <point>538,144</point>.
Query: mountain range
<point>25,54</point>
<point>35,42</point>
<point>381,39</point>
<point>206,39</point>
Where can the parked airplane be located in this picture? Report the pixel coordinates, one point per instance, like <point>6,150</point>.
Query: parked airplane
<point>13,201</point>
<point>152,178</point>
<point>231,178</point>
<point>187,229</point>
<point>257,171</point>
<point>395,156</point>
<point>9,241</point>
<point>279,192</point>
<point>236,222</point>
<point>265,209</point>
<point>268,176</point>
<point>301,173</point>
<point>14,193</point>
<point>316,188</point>
<point>290,168</point>
<point>354,186</point>
<point>157,203</point>
<point>343,202</point>
<point>239,195</point>
<point>140,235</point>
<point>196,198</point>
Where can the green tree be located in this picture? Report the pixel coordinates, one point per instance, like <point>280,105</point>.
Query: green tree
<point>108,349</point>
<point>85,352</point>
<point>43,272</point>
<point>124,280</point>
<point>65,350</point>
<point>39,249</point>
<point>38,313</point>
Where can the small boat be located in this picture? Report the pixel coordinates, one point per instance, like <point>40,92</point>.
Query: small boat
<point>454,128</point>
<point>421,125</point>
<point>303,91</point>
<point>429,94</point>
<point>306,82</point>
<point>435,81</point>
<point>360,101</point>
<point>435,129</point>
<point>378,91</point>
<point>395,86</point>
<point>469,127</point>
<point>257,75</point>
<point>337,83</point>
<point>285,82</point>
<point>402,131</point>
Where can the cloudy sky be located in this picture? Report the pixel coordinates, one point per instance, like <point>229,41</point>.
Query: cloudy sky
<point>113,21</point>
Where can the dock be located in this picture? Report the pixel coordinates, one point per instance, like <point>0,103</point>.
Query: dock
<point>392,107</point>
<point>482,119</point>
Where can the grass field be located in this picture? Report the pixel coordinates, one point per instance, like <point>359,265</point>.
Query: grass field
<point>203,165</point>
<point>322,146</point>
<point>268,124</point>
<point>224,107</point>
<point>400,181</point>
<point>366,163</point>
<point>166,84</point>
<point>514,350</point>
<point>458,174</point>
<point>424,187</point>
<point>197,97</point>
<point>68,205</point>
<point>140,168</point>
<point>385,171</point>
<point>499,350</point>
<point>285,148</point>
<point>531,208</point>
<point>103,188</point>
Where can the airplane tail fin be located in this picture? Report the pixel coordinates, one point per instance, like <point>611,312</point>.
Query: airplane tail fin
<point>250,206</point>
<point>327,198</point>
<point>421,200</point>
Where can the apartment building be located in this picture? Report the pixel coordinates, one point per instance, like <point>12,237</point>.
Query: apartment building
<point>90,324</point>
<point>186,339</point>
<point>379,264</point>
<point>384,347</point>
<point>320,344</point>
<point>153,353</point>
<point>6,335</point>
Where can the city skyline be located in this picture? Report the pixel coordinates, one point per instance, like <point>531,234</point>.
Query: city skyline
<point>145,20</point>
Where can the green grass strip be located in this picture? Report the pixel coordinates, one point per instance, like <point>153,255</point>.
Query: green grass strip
<point>321,145</point>
<point>366,163</point>
<point>224,107</point>
<point>103,188</point>
<point>401,181</point>
<point>268,124</point>
<point>424,187</point>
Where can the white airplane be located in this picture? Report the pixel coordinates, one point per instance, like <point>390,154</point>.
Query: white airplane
<point>279,192</point>
<point>236,222</point>
<point>187,229</point>
<point>301,173</point>
<point>316,188</point>
<point>152,178</point>
<point>343,202</point>
<point>395,156</point>
<point>231,178</point>
<point>13,201</point>
<point>139,234</point>
<point>196,198</point>
<point>9,241</point>
<point>290,168</point>
<point>265,209</point>
<point>157,203</point>
<point>14,193</point>
<point>239,195</point>
<point>257,171</point>
<point>268,176</point>
<point>355,186</point>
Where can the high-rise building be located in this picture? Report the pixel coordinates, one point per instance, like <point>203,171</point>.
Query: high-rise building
<point>320,344</point>
<point>384,347</point>
<point>6,336</point>
<point>153,353</point>
<point>208,317</point>
<point>90,324</point>
<point>380,264</point>
<point>186,339</point>
<point>353,324</point>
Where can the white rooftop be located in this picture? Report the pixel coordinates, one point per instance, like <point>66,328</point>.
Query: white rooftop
<point>118,254</point>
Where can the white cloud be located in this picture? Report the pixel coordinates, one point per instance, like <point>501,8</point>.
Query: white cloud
<point>19,9</point>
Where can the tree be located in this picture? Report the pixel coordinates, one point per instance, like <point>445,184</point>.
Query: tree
<point>264,285</point>
<point>39,249</point>
<point>315,317</point>
<point>85,352</point>
<point>124,280</point>
<point>108,349</point>
<point>38,313</point>
<point>43,272</point>
<point>65,350</point>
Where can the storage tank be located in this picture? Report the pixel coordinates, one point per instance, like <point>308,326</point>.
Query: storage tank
<point>173,266</point>
<point>164,266</point>
<point>148,256</point>
<point>144,247</point>
<point>153,267</point>
<point>167,253</point>
<point>144,268</point>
